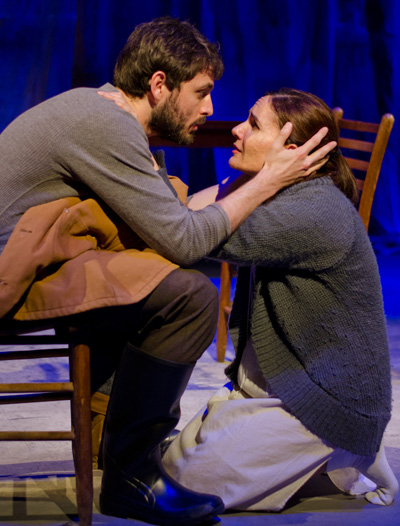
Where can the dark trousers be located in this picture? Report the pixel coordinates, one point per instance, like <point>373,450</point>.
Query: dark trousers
<point>176,322</point>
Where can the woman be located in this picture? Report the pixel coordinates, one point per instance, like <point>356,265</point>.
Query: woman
<point>310,387</point>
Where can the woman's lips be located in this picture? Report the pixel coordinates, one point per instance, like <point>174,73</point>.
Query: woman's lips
<point>235,149</point>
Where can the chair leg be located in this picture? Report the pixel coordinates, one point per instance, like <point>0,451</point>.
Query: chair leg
<point>82,443</point>
<point>223,316</point>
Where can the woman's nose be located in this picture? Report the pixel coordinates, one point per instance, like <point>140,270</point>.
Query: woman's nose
<point>237,131</point>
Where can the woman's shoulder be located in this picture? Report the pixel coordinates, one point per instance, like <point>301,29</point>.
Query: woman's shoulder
<point>318,215</point>
<point>317,198</point>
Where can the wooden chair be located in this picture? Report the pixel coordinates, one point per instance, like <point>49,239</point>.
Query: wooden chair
<point>228,272</point>
<point>363,145</point>
<point>364,155</point>
<point>16,336</point>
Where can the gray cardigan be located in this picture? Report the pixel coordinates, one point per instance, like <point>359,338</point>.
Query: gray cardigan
<point>80,144</point>
<point>317,319</point>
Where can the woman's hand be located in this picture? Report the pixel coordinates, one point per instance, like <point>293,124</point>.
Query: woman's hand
<point>119,99</point>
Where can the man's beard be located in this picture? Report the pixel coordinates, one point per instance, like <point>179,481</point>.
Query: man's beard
<point>170,122</point>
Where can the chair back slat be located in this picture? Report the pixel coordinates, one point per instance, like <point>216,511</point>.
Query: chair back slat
<point>364,151</point>
<point>64,387</point>
<point>357,164</point>
<point>369,127</point>
<point>37,436</point>
<point>354,144</point>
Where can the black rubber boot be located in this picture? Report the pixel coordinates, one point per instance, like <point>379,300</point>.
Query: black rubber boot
<point>143,410</point>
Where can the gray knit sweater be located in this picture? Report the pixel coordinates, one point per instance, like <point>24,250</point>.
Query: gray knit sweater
<point>317,319</point>
<point>80,144</point>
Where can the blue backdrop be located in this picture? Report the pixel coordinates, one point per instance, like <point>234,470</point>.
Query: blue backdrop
<point>345,51</point>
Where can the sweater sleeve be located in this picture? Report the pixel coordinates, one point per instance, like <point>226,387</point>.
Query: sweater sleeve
<point>301,228</point>
<point>107,150</point>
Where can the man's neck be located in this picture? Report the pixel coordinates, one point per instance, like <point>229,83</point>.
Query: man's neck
<point>141,109</point>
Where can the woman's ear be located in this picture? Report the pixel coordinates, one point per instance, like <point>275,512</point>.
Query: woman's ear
<point>291,146</point>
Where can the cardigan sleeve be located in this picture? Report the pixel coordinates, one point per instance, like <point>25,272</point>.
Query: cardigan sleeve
<point>301,228</point>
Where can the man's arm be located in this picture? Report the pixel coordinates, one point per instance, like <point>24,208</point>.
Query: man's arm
<point>282,168</point>
<point>307,226</point>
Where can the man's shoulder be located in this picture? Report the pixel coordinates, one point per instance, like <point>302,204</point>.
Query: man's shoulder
<point>76,101</point>
<point>88,110</point>
<point>78,96</point>
<point>84,92</point>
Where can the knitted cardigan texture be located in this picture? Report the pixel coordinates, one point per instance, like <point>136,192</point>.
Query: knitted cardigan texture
<point>314,309</point>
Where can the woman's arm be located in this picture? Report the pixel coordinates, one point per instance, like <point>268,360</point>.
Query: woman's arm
<point>310,225</point>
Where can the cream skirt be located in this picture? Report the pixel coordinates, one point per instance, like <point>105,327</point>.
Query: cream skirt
<point>252,452</point>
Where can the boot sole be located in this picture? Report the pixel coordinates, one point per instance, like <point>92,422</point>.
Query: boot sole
<point>116,508</point>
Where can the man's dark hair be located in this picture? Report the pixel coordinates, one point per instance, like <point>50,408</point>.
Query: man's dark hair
<point>165,44</point>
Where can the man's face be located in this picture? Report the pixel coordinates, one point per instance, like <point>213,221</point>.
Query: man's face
<point>179,115</point>
<point>254,138</point>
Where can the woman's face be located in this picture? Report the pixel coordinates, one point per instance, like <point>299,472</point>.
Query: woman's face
<point>254,138</point>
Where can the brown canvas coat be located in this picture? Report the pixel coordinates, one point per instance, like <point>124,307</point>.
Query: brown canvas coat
<point>68,256</point>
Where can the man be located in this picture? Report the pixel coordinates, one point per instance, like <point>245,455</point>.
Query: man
<point>79,144</point>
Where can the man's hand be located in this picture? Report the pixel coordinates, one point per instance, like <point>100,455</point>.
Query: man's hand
<point>285,166</point>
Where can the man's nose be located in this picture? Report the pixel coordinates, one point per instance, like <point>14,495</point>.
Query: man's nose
<point>207,107</point>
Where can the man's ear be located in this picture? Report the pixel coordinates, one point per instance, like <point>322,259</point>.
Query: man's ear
<point>158,87</point>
